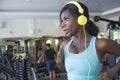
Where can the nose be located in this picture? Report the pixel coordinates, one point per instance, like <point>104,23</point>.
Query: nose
<point>62,24</point>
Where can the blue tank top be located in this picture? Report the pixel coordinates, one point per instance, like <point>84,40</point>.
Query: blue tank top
<point>77,64</point>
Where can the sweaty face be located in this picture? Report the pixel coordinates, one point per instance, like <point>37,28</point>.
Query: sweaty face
<point>69,24</point>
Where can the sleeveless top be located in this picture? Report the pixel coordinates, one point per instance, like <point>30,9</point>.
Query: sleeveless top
<point>84,65</point>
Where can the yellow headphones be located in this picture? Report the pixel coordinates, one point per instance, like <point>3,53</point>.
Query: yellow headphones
<point>82,20</point>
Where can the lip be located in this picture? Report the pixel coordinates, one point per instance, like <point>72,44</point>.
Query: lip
<point>65,31</point>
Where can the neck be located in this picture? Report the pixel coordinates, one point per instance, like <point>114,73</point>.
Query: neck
<point>80,36</point>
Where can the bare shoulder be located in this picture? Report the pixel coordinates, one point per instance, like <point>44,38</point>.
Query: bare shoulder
<point>107,45</point>
<point>102,43</point>
<point>64,43</point>
<point>62,46</point>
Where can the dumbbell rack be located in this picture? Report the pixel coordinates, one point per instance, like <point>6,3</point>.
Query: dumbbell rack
<point>40,70</point>
<point>22,68</point>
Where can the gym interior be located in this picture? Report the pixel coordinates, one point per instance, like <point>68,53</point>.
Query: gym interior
<point>24,30</point>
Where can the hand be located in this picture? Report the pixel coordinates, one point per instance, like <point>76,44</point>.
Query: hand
<point>106,76</point>
<point>38,61</point>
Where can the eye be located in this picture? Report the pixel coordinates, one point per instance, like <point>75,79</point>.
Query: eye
<point>66,18</point>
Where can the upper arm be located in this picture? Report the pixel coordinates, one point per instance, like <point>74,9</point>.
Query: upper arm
<point>61,50</point>
<point>60,53</point>
<point>108,46</point>
<point>62,46</point>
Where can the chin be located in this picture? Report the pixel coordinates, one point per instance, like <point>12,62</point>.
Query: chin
<point>68,35</point>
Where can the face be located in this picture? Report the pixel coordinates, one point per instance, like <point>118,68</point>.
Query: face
<point>69,24</point>
<point>47,47</point>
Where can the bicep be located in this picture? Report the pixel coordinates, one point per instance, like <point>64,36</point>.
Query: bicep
<point>113,47</point>
<point>109,46</point>
<point>60,54</point>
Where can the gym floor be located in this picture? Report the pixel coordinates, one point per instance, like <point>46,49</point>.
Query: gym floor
<point>59,77</point>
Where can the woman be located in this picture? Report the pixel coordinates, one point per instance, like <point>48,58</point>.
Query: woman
<point>83,53</point>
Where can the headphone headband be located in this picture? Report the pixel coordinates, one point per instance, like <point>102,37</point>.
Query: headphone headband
<point>81,10</point>
<point>82,20</point>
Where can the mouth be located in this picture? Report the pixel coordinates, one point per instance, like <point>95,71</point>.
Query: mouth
<point>65,31</point>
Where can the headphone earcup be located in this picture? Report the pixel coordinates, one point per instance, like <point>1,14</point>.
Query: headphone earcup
<point>82,20</point>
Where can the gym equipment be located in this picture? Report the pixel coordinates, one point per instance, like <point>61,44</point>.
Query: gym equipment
<point>22,67</point>
<point>6,56</point>
<point>98,18</point>
<point>7,71</point>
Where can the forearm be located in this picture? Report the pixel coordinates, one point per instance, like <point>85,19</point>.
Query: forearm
<point>108,75</point>
<point>41,57</point>
<point>115,69</point>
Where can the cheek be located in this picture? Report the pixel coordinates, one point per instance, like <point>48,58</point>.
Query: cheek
<point>74,30</point>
